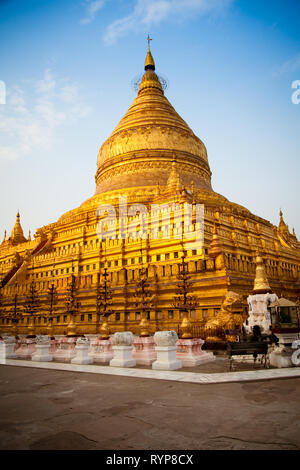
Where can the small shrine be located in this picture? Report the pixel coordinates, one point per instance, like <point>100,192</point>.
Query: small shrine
<point>284,316</point>
<point>285,325</point>
<point>259,302</point>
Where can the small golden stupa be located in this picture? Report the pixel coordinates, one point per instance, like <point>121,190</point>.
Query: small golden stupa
<point>261,283</point>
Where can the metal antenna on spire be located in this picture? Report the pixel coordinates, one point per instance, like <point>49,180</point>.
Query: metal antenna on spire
<point>149,39</point>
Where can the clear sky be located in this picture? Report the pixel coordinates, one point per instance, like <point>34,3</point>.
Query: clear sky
<point>68,67</point>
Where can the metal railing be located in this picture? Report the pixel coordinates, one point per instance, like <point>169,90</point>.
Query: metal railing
<point>203,332</point>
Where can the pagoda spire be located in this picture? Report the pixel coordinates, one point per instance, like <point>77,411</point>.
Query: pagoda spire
<point>283,227</point>
<point>215,248</point>
<point>17,235</point>
<point>174,178</point>
<point>281,217</point>
<point>149,62</point>
<point>150,80</point>
<point>261,283</point>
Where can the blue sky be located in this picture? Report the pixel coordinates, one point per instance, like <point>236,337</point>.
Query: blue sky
<point>68,67</point>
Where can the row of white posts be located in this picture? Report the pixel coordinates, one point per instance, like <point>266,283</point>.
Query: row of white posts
<point>78,350</point>
<point>163,351</point>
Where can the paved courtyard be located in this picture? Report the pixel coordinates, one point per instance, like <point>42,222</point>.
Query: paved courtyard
<point>53,409</point>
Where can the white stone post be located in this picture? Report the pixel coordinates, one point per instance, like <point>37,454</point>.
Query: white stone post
<point>101,351</point>
<point>42,353</point>
<point>166,351</point>
<point>26,348</point>
<point>65,351</point>
<point>82,352</point>
<point>9,347</point>
<point>122,347</point>
<point>53,345</point>
<point>189,352</point>
<point>144,350</point>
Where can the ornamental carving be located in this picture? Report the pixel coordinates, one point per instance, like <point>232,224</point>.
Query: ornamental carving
<point>187,171</point>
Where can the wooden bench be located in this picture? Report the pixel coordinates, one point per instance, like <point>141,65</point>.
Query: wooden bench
<point>246,349</point>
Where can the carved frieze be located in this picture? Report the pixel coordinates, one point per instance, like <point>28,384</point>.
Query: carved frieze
<point>151,137</point>
<point>146,171</point>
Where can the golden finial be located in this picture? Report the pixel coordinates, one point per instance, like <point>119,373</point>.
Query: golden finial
<point>72,328</point>
<point>144,325</point>
<point>283,227</point>
<point>4,238</point>
<point>149,62</point>
<point>281,218</point>
<point>261,283</point>
<point>215,248</point>
<point>217,216</point>
<point>29,235</point>
<point>104,329</point>
<point>17,235</point>
<point>174,178</point>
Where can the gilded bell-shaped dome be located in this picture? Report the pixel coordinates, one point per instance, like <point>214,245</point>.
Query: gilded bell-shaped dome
<point>261,283</point>
<point>141,149</point>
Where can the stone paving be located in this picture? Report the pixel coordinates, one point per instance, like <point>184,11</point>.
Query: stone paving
<point>54,409</point>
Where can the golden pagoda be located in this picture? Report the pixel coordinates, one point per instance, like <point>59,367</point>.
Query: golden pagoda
<point>151,158</point>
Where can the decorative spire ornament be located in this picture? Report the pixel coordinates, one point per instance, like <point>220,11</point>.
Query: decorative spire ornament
<point>216,251</point>
<point>184,301</point>
<point>104,301</point>
<point>143,297</point>
<point>149,62</point>
<point>17,235</point>
<point>261,283</point>
<point>173,182</point>
<point>72,306</point>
